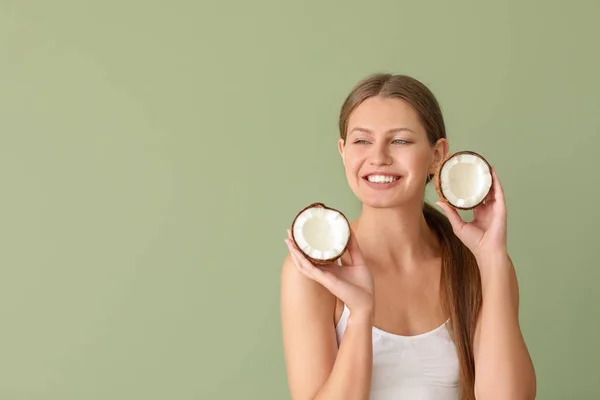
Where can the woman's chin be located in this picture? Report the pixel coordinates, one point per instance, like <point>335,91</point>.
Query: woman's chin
<point>383,201</point>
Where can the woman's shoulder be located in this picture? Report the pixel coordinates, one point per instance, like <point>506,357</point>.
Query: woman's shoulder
<point>301,291</point>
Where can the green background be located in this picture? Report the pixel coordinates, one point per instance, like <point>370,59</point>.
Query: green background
<point>153,153</point>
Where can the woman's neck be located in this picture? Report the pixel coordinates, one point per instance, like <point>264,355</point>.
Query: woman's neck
<point>396,237</point>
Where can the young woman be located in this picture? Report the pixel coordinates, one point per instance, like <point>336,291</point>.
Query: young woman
<point>424,305</point>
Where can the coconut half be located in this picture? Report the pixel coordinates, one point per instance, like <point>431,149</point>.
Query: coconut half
<point>463,180</point>
<point>321,233</point>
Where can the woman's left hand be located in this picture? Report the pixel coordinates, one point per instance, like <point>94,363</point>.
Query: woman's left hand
<point>486,234</point>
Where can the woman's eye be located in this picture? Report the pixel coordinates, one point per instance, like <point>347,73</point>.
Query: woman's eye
<point>400,141</point>
<point>395,141</point>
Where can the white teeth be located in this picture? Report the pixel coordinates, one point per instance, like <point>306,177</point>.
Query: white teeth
<point>381,178</point>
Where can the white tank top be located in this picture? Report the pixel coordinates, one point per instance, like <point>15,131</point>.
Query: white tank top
<point>423,367</point>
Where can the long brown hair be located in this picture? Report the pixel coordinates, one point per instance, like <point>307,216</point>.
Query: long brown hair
<point>460,280</point>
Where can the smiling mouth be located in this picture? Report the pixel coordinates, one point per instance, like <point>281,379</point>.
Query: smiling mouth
<point>381,178</point>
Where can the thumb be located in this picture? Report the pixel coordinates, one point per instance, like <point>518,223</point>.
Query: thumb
<point>455,220</point>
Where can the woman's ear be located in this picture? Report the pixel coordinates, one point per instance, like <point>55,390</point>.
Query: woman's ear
<point>341,144</point>
<point>440,151</point>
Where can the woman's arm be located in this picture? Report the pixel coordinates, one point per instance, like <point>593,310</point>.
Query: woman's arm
<point>316,369</point>
<point>503,366</point>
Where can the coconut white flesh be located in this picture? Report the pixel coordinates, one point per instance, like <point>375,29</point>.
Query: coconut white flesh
<point>321,233</point>
<point>465,180</point>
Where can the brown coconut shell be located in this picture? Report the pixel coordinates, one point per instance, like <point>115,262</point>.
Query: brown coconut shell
<point>438,184</point>
<point>319,262</point>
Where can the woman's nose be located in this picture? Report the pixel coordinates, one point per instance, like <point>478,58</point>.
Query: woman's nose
<point>380,155</point>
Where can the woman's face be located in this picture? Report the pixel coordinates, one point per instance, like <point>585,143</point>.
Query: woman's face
<point>387,156</point>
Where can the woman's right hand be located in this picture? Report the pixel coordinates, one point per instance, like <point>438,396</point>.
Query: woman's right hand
<point>352,282</point>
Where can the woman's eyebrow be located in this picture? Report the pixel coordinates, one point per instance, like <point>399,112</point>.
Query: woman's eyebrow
<point>393,130</point>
